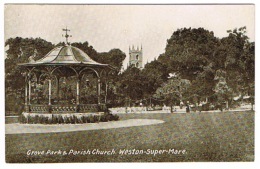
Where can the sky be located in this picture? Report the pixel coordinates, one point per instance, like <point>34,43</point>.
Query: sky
<point>119,26</point>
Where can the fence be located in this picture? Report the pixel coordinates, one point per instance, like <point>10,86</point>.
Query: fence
<point>138,110</point>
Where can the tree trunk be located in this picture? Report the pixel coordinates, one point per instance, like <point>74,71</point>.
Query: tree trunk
<point>227,105</point>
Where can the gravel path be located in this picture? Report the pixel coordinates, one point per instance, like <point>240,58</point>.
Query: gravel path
<point>17,128</point>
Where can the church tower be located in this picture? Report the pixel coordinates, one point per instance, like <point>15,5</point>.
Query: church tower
<point>136,57</point>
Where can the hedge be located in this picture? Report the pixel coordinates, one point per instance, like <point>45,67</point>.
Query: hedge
<point>72,119</point>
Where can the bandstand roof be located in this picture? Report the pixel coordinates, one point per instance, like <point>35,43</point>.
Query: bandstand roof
<point>65,55</point>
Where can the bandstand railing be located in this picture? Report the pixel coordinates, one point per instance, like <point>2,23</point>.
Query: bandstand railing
<point>82,108</point>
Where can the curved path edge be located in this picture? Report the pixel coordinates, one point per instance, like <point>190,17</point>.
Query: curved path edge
<point>17,128</point>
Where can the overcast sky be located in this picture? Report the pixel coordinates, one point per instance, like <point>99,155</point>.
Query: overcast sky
<point>117,26</point>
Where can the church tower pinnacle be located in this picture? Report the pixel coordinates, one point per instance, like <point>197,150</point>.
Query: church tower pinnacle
<point>136,57</point>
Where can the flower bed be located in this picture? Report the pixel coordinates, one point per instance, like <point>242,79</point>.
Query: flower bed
<point>73,118</point>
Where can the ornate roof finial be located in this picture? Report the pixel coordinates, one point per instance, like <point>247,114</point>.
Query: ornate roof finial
<point>66,35</point>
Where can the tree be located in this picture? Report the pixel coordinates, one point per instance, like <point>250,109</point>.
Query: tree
<point>192,54</point>
<point>222,91</point>
<point>114,57</point>
<point>111,78</point>
<point>189,50</point>
<point>19,51</point>
<point>173,90</point>
<point>154,74</point>
<point>87,49</point>
<point>130,84</point>
<point>195,55</point>
<point>240,61</point>
<point>202,86</point>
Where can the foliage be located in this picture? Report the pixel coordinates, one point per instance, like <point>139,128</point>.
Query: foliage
<point>20,49</point>
<point>61,119</point>
<point>154,75</point>
<point>131,83</point>
<point>173,90</point>
<point>222,91</point>
<point>114,57</point>
<point>195,55</point>
<point>240,61</point>
<point>87,49</point>
<point>188,51</point>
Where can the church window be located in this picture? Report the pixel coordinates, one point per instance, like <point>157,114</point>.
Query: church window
<point>137,64</point>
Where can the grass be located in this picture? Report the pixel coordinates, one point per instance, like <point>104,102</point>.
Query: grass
<point>226,136</point>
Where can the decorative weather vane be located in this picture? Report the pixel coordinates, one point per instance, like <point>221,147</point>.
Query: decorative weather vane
<point>66,35</point>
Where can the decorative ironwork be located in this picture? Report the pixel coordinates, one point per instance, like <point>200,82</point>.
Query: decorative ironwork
<point>61,62</point>
<point>88,107</point>
<point>39,108</point>
<point>66,35</point>
<point>83,108</point>
<point>60,109</point>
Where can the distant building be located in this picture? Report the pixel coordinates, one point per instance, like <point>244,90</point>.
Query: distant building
<point>136,57</point>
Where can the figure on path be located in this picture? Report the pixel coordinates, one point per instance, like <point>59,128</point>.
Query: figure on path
<point>187,107</point>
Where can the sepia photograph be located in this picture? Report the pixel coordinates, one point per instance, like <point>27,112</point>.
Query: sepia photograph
<point>129,83</point>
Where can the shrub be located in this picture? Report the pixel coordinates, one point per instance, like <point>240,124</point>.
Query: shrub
<point>69,119</point>
<point>116,117</point>
<point>60,119</point>
<point>30,119</point>
<point>87,119</point>
<point>22,118</point>
<point>36,119</point>
<point>79,119</point>
<point>103,118</point>
<point>49,120</point>
<point>107,117</point>
<point>41,120</point>
<point>96,118</point>
<point>54,119</point>
<point>72,119</point>
<point>46,120</point>
<point>84,119</point>
<point>91,119</point>
<point>110,117</point>
<point>66,120</point>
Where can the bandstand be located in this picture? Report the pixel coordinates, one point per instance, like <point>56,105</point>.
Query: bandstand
<point>50,71</point>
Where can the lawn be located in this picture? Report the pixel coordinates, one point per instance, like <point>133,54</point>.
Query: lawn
<point>226,136</point>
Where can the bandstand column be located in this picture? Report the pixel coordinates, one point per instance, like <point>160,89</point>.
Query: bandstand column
<point>99,90</point>
<point>58,89</point>
<point>50,91</point>
<point>106,92</point>
<point>77,99</point>
<point>26,94</point>
<point>29,83</point>
<point>37,83</point>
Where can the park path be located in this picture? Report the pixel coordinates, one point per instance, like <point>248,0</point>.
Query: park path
<point>17,128</point>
